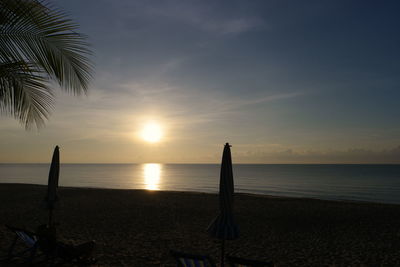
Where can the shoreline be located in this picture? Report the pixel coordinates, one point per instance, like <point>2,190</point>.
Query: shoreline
<point>211,193</point>
<point>139,227</point>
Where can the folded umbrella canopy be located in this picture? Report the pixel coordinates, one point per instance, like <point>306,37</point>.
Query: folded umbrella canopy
<point>223,226</point>
<point>52,183</point>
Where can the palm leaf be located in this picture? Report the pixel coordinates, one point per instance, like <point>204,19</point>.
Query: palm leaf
<point>45,40</point>
<point>24,93</point>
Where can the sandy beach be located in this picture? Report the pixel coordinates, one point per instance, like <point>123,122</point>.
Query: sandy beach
<point>138,228</point>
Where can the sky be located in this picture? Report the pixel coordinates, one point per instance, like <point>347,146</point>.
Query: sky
<point>281,81</point>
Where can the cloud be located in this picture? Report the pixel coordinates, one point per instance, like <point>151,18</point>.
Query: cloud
<point>231,26</point>
<point>265,99</point>
<point>208,17</point>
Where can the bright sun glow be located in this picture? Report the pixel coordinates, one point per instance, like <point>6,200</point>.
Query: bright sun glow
<point>151,132</point>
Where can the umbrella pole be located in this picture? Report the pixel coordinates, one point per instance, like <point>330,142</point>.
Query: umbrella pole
<point>223,253</point>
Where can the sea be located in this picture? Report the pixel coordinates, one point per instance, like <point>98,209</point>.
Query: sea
<point>371,183</point>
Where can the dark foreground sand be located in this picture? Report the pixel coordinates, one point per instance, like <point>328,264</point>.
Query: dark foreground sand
<point>138,228</point>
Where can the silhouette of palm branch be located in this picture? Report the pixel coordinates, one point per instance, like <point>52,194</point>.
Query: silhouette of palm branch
<point>38,45</point>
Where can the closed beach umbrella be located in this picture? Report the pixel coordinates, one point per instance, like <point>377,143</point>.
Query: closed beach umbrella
<point>52,183</point>
<point>223,226</point>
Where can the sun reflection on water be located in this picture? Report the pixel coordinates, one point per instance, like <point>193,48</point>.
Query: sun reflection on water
<point>152,174</point>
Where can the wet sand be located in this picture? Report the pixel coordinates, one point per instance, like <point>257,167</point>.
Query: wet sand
<point>138,228</point>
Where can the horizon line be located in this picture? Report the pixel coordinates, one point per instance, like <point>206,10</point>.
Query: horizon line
<point>204,163</point>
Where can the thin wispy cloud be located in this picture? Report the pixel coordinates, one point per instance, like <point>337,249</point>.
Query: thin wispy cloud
<point>210,18</point>
<point>232,26</point>
<point>264,99</point>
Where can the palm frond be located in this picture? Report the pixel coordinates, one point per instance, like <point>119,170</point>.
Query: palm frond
<point>38,44</point>
<point>24,93</point>
<point>35,33</point>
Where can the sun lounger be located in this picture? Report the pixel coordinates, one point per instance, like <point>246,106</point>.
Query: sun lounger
<point>44,242</point>
<point>28,240</point>
<point>240,262</point>
<point>191,260</point>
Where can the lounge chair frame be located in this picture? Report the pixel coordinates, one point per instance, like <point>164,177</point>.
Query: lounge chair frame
<point>195,258</point>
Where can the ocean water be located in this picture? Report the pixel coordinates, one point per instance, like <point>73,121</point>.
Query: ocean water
<point>376,183</point>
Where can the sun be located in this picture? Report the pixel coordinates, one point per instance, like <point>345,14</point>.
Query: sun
<point>151,132</point>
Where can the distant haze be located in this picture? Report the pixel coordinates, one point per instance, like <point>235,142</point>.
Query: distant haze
<point>282,81</point>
